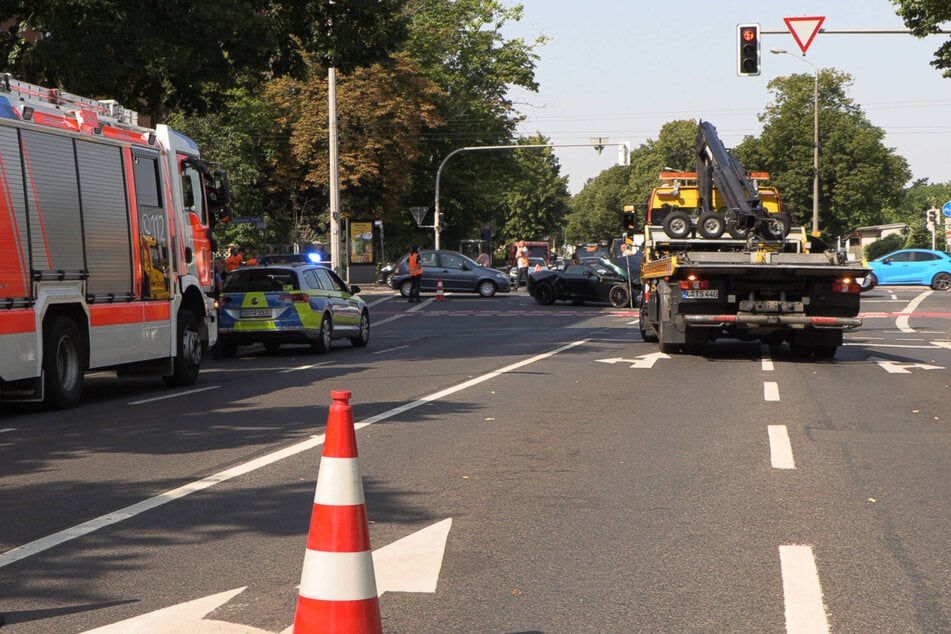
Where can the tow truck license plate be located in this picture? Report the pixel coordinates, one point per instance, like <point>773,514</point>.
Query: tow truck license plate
<point>706,293</point>
<point>256,312</point>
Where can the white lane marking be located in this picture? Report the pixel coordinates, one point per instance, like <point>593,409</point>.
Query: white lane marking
<point>801,590</point>
<point>390,349</point>
<point>767,362</point>
<point>902,322</point>
<point>32,548</point>
<point>309,366</point>
<point>780,449</point>
<point>771,390</point>
<point>175,395</point>
<point>5,430</point>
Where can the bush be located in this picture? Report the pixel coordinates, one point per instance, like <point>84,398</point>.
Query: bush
<point>888,244</point>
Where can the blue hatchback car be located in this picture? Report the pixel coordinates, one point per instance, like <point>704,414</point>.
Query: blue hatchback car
<point>911,266</point>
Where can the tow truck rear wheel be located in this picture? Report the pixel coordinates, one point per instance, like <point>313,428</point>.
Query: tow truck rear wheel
<point>677,224</point>
<point>711,225</point>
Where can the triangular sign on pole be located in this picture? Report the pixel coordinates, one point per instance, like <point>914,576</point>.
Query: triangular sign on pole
<point>419,213</point>
<point>804,30</point>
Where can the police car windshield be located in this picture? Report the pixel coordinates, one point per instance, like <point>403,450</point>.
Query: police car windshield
<point>260,280</point>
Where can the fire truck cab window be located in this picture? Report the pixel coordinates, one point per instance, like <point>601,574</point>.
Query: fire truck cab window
<point>146,181</point>
<point>192,191</point>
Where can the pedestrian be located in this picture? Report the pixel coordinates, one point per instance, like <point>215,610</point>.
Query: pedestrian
<point>483,259</point>
<point>253,260</point>
<point>415,274</point>
<point>233,261</point>
<point>522,266</point>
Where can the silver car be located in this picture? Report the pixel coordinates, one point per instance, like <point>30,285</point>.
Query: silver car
<point>458,274</point>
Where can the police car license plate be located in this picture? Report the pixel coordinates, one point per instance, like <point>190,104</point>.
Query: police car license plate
<point>706,293</point>
<point>256,312</point>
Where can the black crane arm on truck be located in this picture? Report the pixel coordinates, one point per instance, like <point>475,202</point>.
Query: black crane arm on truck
<point>716,165</point>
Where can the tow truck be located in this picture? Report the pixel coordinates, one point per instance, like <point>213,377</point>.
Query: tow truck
<point>722,259</point>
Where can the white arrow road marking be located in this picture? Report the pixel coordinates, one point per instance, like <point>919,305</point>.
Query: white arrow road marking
<point>184,617</point>
<point>896,367</point>
<point>412,564</point>
<point>942,344</point>
<point>642,361</point>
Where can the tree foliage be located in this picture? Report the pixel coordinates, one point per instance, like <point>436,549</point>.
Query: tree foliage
<point>536,196</point>
<point>859,177</point>
<point>158,57</point>
<point>596,209</point>
<point>926,17</point>
<point>381,113</point>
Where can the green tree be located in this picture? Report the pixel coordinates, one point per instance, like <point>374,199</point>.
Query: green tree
<point>459,45</point>
<point>916,200</point>
<point>536,196</point>
<point>596,209</point>
<point>859,177</point>
<point>185,55</point>
<point>926,17</point>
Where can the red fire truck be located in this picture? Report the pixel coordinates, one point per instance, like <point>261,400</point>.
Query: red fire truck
<point>105,245</point>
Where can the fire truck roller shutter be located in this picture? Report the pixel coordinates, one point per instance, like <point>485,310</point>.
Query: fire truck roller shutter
<point>105,220</point>
<point>53,203</point>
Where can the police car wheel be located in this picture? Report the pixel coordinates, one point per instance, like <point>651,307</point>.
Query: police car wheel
<point>323,342</point>
<point>363,338</point>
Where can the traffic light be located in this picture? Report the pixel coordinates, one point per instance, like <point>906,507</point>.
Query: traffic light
<point>747,51</point>
<point>932,217</point>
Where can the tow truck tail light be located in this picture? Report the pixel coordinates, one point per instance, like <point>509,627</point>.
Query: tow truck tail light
<point>846,285</point>
<point>692,283</point>
<point>296,298</point>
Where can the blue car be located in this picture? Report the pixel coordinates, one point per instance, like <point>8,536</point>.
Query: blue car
<point>911,266</point>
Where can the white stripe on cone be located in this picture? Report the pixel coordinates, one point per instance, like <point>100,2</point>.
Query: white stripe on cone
<point>338,576</point>
<point>339,482</point>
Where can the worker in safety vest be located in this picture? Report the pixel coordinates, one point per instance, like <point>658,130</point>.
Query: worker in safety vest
<point>522,265</point>
<point>234,260</point>
<point>415,273</point>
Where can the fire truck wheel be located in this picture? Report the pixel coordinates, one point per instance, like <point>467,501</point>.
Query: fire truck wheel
<point>188,359</point>
<point>62,363</point>
<point>677,224</point>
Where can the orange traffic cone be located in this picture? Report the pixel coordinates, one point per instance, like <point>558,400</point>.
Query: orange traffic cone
<point>440,296</point>
<point>338,585</point>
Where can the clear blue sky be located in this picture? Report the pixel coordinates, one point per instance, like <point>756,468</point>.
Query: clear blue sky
<point>622,68</point>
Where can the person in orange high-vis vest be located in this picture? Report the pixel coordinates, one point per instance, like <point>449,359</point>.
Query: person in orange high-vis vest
<point>415,274</point>
<point>522,263</point>
<point>234,260</point>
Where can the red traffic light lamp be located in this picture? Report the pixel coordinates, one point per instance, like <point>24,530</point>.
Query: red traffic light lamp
<point>748,50</point>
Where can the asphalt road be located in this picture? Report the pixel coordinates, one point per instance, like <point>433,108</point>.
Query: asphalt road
<point>593,485</point>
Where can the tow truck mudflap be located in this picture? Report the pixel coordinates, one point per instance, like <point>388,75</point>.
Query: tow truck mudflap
<point>794,321</point>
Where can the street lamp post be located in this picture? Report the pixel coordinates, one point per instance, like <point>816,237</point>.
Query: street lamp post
<point>815,140</point>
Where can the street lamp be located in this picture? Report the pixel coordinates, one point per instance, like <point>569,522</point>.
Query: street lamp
<point>815,141</point>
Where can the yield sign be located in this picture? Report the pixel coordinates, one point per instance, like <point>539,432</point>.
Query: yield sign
<point>804,30</point>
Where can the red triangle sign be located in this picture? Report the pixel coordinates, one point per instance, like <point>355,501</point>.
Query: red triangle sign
<point>804,30</point>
